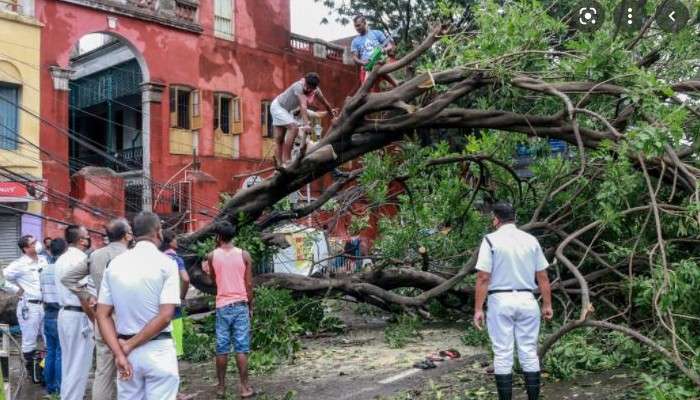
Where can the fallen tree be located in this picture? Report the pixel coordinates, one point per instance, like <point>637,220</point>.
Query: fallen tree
<point>621,215</point>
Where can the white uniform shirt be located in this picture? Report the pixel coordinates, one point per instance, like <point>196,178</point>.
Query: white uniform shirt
<point>48,284</point>
<point>25,272</point>
<point>136,283</point>
<point>72,257</point>
<point>512,262</point>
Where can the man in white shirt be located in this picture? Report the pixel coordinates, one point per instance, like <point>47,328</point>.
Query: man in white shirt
<point>24,273</point>
<point>509,262</point>
<point>119,235</point>
<point>142,288</point>
<point>75,332</point>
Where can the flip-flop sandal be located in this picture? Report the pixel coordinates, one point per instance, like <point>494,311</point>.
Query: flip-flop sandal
<point>426,364</point>
<point>451,353</point>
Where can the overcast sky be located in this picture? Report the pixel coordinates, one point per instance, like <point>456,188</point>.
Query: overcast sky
<point>306,20</point>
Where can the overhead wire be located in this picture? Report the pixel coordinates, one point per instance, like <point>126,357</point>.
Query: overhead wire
<point>70,135</point>
<point>66,165</point>
<point>107,155</point>
<point>97,211</point>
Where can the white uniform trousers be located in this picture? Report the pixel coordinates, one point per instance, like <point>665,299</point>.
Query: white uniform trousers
<point>77,345</point>
<point>31,321</point>
<point>513,316</point>
<point>156,375</point>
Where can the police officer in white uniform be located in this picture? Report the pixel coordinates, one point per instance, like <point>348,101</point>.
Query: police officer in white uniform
<point>75,331</point>
<point>510,266</point>
<point>142,287</point>
<point>24,273</point>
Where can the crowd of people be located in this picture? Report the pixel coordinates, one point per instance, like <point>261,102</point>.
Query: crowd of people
<point>120,305</point>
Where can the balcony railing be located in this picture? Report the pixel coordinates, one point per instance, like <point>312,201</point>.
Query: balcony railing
<point>186,10</point>
<point>316,47</point>
<point>130,157</point>
<point>10,6</point>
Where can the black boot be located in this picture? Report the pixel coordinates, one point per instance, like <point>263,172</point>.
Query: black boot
<point>504,385</point>
<point>532,385</point>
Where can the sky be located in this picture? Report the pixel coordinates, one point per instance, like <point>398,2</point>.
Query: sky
<point>306,20</point>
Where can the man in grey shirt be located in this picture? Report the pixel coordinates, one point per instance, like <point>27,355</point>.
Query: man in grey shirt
<point>299,95</point>
<point>119,235</point>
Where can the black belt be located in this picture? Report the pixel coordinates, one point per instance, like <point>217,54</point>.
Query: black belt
<point>160,336</point>
<point>35,301</point>
<point>73,308</point>
<point>509,291</point>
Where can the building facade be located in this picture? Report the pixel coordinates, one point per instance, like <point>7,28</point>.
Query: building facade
<point>20,164</point>
<point>164,105</point>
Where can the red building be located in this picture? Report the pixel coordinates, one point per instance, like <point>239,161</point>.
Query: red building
<point>172,97</point>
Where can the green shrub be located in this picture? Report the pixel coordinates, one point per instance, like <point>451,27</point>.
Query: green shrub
<point>404,330</point>
<point>198,343</point>
<point>475,337</point>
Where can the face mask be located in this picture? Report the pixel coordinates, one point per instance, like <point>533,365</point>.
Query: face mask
<point>39,247</point>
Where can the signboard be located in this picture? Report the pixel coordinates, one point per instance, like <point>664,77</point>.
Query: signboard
<point>22,192</point>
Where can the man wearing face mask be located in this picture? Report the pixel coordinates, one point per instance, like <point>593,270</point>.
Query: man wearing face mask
<point>138,296</point>
<point>75,330</point>
<point>511,265</point>
<point>119,236</point>
<point>299,95</point>
<point>24,273</point>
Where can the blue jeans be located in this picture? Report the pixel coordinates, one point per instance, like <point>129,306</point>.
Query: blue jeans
<point>233,325</point>
<point>52,363</point>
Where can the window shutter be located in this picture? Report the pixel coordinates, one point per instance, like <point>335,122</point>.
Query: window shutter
<point>173,107</point>
<point>195,114</point>
<point>217,117</point>
<point>237,106</point>
<point>264,110</point>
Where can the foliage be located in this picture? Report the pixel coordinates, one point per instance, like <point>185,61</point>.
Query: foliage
<point>405,329</point>
<point>275,334</point>
<point>588,350</point>
<point>475,337</point>
<point>278,320</point>
<point>405,20</point>
<point>440,207</point>
<point>199,339</point>
<point>314,318</point>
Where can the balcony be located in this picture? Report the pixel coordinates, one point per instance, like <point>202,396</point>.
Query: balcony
<point>126,160</point>
<point>317,48</point>
<point>179,14</point>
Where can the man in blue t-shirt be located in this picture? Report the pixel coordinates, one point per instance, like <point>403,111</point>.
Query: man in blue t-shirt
<point>364,44</point>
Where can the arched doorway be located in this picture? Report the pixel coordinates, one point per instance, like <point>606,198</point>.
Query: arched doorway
<point>106,113</point>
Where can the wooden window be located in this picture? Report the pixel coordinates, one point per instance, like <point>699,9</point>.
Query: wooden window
<point>223,18</point>
<point>185,108</point>
<point>266,120</point>
<point>227,114</point>
<point>9,116</point>
<point>237,118</point>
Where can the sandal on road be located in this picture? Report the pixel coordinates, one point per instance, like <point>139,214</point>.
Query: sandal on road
<point>450,353</point>
<point>425,364</point>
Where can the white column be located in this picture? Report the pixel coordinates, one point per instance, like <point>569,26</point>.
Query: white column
<point>151,97</point>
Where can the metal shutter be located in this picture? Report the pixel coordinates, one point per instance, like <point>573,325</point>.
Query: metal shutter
<point>9,234</point>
